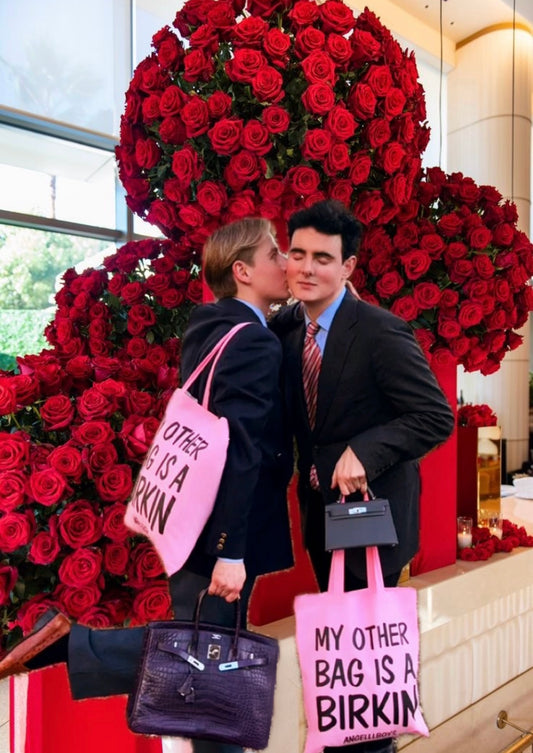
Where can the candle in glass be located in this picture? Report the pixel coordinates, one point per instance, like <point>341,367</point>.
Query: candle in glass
<point>464,532</point>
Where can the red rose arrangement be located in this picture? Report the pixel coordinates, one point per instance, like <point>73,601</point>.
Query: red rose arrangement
<point>76,423</point>
<point>267,111</point>
<point>476,415</point>
<point>484,545</point>
<point>454,265</point>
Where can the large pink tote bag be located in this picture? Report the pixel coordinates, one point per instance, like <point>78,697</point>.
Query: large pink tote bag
<point>358,654</point>
<point>177,485</point>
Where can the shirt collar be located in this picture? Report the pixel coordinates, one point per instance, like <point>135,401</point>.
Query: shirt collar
<point>257,311</point>
<point>326,317</point>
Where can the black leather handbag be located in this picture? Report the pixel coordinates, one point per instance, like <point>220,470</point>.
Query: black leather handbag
<point>357,524</point>
<point>204,681</point>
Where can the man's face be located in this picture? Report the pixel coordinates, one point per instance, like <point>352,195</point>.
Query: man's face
<point>316,272</point>
<point>268,272</point>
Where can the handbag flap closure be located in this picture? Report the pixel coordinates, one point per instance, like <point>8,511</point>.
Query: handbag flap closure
<point>356,510</point>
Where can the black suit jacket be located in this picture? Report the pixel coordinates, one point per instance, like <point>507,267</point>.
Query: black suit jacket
<point>377,394</point>
<point>250,517</point>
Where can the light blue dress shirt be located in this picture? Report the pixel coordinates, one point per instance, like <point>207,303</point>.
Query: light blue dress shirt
<point>325,320</point>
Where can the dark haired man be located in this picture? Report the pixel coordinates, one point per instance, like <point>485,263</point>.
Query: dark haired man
<point>364,403</point>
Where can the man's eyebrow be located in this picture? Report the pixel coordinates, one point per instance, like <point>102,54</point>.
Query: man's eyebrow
<point>296,249</point>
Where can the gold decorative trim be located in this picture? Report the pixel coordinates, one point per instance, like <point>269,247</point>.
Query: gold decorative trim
<point>490,29</point>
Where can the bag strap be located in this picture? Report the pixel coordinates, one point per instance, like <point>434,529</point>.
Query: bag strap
<point>215,354</point>
<point>194,643</point>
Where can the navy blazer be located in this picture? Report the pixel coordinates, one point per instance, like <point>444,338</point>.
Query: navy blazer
<point>377,394</point>
<point>250,517</point>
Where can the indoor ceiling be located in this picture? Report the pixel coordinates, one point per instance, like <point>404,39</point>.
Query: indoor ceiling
<point>462,18</point>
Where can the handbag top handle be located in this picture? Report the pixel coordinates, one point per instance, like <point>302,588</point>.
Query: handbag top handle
<point>374,573</point>
<point>215,354</point>
<point>194,642</point>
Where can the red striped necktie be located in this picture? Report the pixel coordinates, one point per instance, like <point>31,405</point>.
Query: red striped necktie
<point>311,361</point>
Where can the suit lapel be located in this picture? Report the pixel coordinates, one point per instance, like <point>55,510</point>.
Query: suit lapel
<point>294,363</point>
<point>340,340</point>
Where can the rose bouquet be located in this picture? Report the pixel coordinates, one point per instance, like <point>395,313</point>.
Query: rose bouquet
<point>455,266</point>
<point>269,110</point>
<point>75,424</point>
<point>484,544</point>
<point>476,415</point>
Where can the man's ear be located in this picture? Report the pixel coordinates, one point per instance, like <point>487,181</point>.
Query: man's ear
<point>349,267</point>
<point>241,272</point>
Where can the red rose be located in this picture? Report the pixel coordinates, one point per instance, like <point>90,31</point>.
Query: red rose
<point>442,358</point>
<point>8,398</point>
<point>470,314</point>
<point>115,484</point>
<point>249,32</point>
<point>303,180</point>
<point>425,339</point>
<point>75,601</point>
<point>316,144</point>
<point>92,403</point>
<point>448,328</point>
<point>137,434</point>
<point>450,224</point>
<point>479,237</point>
<point>152,603</point>
<point>151,109</point>
<point>338,159</point>
<point>219,105</point>
<point>456,250</point>
<point>318,99</point>
<point>276,44</point>
<point>243,167</point>
<point>12,490</point>
<point>245,65</point>
<point>336,17</point>
<point>116,558</point>
<point>339,49</point>
<point>212,197</point>
<point>503,234</point>
<point>225,136</point>
<point>390,284</point>
<point>16,530</point>
<point>57,412</point>
<point>145,564</point>
<point>195,117</point>
<point>48,487</point>
<point>140,318</point>
<point>187,166</point>
<point>368,207</point>
<point>163,214</point>
<point>29,613</point>
<point>276,119</point>
<point>241,204</point>
<point>256,138</point>
<point>67,460</point>
<point>79,525</point>
<point>416,263</point>
<point>26,389</point>
<point>476,289</point>
<point>303,13</point>
<point>45,545</point>
<point>14,450</point>
<point>172,131</point>
<point>426,295</point>
<point>342,191</point>
<point>267,85</point>
<point>341,123</point>
<point>309,40</point>
<point>147,153</point>
<point>93,432</point>
<point>81,568</point>
<point>360,168</point>
<point>8,578</point>
<point>195,291</point>
<point>392,157</point>
<point>459,346</point>
<point>169,51</point>
<point>272,189</point>
<point>461,270</point>
<point>198,66</point>
<point>362,101</point>
<point>483,266</point>
<point>378,132</point>
<point>379,79</point>
<point>405,308</point>
<point>365,47</point>
<point>394,102</point>
<point>319,68</point>
<point>433,244</point>
<point>113,521</point>
<point>502,290</point>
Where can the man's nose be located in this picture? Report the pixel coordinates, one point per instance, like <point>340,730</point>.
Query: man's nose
<point>308,265</point>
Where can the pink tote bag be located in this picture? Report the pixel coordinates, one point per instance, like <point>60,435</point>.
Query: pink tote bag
<point>358,654</point>
<point>176,488</point>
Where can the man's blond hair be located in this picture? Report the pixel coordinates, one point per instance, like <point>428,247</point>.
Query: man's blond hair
<point>236,241</point>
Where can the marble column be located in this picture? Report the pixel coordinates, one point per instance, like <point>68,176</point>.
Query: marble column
<point>489,139</point>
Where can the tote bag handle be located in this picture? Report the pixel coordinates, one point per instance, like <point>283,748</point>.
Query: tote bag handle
<point>374,573</point>
<point>215,354</point>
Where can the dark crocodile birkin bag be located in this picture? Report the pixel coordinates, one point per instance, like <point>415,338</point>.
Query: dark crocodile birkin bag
<point>205,682</point>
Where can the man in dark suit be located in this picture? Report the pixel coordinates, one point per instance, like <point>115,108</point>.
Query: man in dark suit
<point>378,406</point>
<point>248,532</point>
